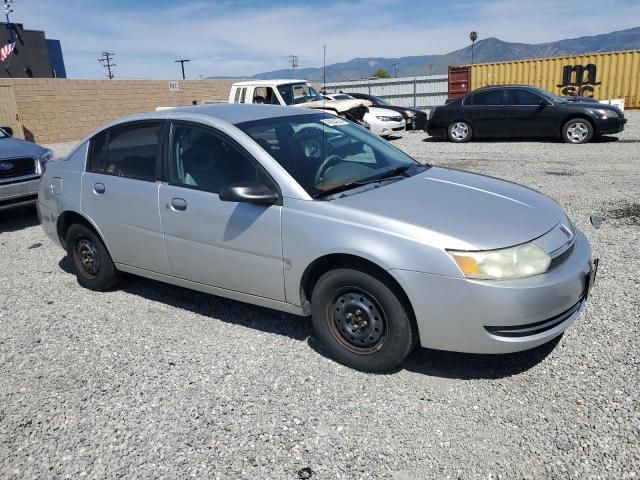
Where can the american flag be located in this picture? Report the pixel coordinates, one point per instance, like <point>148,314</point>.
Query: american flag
<point>5,52</point>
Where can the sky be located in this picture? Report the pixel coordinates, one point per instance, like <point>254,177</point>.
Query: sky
<point>244,37</point>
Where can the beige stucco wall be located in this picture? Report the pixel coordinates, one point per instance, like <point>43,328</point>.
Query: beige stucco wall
<point>59,110</point>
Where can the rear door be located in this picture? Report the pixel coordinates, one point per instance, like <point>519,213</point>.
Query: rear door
<point>120,193</point>
<point>528,115</point>
<point>236,246</point>
<point>486,112</point>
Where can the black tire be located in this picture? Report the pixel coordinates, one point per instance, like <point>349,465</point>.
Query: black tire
<point>459,132</point>
<point>577,131</point>
<point>91,263</point>
<point>371,331</point>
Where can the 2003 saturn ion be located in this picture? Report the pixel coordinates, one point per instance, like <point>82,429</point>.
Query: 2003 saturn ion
<point>308,213</point>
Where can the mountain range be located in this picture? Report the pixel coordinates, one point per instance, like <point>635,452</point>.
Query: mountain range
<point>487,50</point>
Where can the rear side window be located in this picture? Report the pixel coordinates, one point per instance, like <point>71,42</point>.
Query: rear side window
<point>130,151</point>
<point>523,97</point>
<point>490,97</point>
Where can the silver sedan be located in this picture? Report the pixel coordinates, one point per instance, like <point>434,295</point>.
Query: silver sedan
<point>307,213</point>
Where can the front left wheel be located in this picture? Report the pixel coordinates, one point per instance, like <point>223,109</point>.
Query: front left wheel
<point>90,259</point>
<point>361,321</point>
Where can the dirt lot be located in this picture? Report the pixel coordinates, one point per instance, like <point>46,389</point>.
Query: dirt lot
<point>155,381</point>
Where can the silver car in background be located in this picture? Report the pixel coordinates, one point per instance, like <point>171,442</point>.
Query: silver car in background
<point>21,164</point>
<point>308,213</point>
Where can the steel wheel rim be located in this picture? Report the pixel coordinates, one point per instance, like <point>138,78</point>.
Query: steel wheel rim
<point>577,132</point>
<point>356,321</point>
<point>460,130</point>
<point>87,258</point>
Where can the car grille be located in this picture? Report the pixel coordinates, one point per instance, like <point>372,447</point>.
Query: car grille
<point>519,331</point>
<point>17,167</point>
<point>560,259</point>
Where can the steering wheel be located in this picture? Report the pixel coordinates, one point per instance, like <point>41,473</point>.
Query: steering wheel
<point>328,162</point>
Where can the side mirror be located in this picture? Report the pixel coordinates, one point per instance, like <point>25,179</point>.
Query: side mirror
<point>248,192</point>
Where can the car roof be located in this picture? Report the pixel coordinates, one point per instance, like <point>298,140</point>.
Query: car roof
<point>270,83</point>
<point>510,85</point>
<point>233,113</point>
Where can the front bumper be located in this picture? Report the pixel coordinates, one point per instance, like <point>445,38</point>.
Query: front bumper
<point>611,125</point>
<point>498,316</point>
<point>18,193</point>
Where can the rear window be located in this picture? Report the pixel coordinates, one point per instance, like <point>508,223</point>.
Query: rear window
<point>130,151</point>
<point>490,97</point>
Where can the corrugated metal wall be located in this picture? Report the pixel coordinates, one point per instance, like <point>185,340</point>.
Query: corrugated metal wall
<point>420,92</point>
<point>604,76</point>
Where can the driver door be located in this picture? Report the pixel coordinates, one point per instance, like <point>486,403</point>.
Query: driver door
<point>236,246</point>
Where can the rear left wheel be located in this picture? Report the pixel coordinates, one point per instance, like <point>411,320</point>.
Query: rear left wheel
<point>361,321</point>
<point>91,262</point>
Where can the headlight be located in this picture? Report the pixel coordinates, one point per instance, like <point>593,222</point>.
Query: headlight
<point>43,159</point>
<point>508,263</point>
<point>606,113</point>
<point>410,114</point>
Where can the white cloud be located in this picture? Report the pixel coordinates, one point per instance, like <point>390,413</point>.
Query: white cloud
<point>234,38</point>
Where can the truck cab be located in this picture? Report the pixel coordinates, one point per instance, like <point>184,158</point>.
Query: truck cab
<point>296,93</point>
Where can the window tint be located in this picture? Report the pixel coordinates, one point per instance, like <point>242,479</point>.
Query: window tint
<point>204,160</point>
<point>523,97</point>
<point>98,156</point>
<point>129,151</point>
<point>490,97</point>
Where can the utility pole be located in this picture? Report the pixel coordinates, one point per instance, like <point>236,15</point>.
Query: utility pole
<point>395,69</point>
<point>324,68</point>
<point>293,61</point>
<point>106,59</point>
<point>181,62</point>
<point>8,8</point>
<point>473,36</point>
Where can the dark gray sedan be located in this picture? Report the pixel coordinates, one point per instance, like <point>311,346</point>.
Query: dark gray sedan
<point>21,164</point>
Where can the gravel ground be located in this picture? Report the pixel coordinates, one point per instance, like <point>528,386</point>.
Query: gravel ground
<point>152,381</point>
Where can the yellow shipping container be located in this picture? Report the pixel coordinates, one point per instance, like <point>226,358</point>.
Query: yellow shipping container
<point>603,76</point>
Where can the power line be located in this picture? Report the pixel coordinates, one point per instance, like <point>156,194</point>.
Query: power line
<point>106,59</point>
<point>293,61</point>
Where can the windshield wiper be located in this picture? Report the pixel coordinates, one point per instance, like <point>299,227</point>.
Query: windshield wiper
<point>386,175</point>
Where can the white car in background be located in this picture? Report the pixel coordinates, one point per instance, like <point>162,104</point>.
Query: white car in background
<point>381,121</point>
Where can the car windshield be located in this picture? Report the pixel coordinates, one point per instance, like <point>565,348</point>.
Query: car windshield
<point>342,96</point>
<point>297,93</point>
<point>380,101</point>
<point>327,154</point>
<point>549,96</point>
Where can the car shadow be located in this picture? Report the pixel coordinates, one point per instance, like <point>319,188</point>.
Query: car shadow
<point>18,219</point>
<point>428,362</point>
<point>604,139</point>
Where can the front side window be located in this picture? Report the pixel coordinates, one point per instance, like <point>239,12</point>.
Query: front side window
<point>265,95</point>
<point>130,151</point>
<point>205,160</point>
<point>523,97</point>
<point>490,97</point>
<point>324,153</point>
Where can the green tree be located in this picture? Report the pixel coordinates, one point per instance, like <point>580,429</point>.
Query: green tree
<point>380,73</point>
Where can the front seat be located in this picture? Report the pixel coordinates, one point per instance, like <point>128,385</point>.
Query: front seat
<point>201,164</point>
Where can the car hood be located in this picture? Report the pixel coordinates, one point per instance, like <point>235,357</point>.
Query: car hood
<point>384,112</point>
<point>14,147</point>
<point>478,211</point>
<point>338,105</point>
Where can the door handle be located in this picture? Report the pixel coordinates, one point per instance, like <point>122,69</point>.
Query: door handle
<point>99,188</point>
<point>178,204</point>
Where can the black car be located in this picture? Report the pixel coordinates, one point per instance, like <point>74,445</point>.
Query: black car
<point>416,119</point>
<point>522,111</point>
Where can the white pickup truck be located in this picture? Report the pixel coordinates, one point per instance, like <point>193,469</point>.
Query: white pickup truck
<point>297,93</point>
